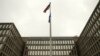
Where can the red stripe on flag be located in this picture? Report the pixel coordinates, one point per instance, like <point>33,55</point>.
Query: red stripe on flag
<point>46,8</point>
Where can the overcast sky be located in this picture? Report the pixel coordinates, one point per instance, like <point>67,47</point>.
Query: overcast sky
<point>68,16</point>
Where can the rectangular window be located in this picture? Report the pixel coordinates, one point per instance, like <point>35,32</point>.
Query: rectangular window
<point>1,45</point>
<point>0,26</point>
<point>96,14</point>
<point>99,20</point>
<point>98,10</point>
<point>1,38</point>
<point>94,17</point>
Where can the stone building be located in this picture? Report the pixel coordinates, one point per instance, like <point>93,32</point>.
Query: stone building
<point>89,40</point>
<point>40,46</point>
<point>11,43</point>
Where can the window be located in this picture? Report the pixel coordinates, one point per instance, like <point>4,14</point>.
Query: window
<point>96,14</point>
<point>4,26</point>
<point>99,20</point>
<point>99,31</point>
<point>98,23</point>
<point>98,10</point>
<point>72,41</point>
<point>4,38</point>
<point>0,26</point>
<point>92,20</point>
<point>1,46</point>
<point>1,38</point>
<point>99,6</point>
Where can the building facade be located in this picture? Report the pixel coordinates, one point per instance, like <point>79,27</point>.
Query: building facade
<point>11,43</point>
<point>40,46</point>
<point>88,44</point>
<point>89,40</point>
<point>74,51</point>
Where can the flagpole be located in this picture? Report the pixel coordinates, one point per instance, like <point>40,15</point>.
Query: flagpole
<point>50,24</point>
<point>50,32</point>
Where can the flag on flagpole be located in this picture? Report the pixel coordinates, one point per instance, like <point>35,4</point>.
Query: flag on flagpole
<point>47,8</point>
<point>49,18</point>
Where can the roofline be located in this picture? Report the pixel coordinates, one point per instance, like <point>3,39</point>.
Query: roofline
<point>48,38</point>
<point>90,17</point>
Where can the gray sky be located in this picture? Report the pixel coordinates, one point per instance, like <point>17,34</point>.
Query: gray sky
<point>68,16</point>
